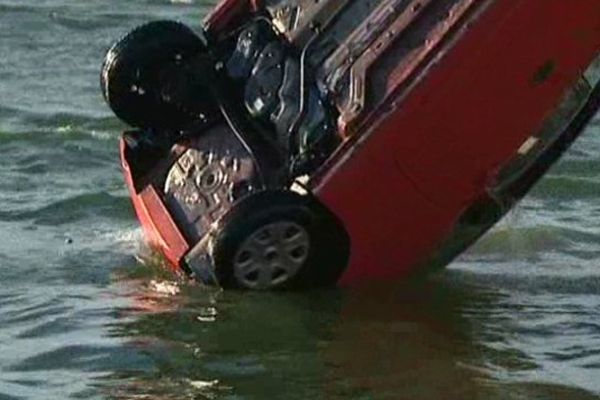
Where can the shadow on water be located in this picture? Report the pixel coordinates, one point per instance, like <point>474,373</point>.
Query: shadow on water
<point>426,340</point>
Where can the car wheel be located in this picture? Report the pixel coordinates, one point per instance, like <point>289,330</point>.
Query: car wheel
<point>142,76</point>
<point>280,240</point>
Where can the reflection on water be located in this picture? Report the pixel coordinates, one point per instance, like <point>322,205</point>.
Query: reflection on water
<point>450,337</point>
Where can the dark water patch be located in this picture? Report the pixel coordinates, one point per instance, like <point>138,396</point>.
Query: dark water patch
<point>27,383</point>
<point>35,168</point>
<point>6,111</point>
<point>544,326</point>
<point>544,391</point>
<point>16,8</point>
<point>72,122</point>
<point>19,316</point>
<point>61,147</point>
<point>10,299</point>
<point>560,188</point>
<point>79,22</point>
<point>3,259</point>
<point>59,119</point>
<point>90,266</point>
<point>570,355</point>
<point>118,21</point>
<point>81,358</point>
<point>45,304</point>
<point>530,283</point>
<point>76,208</point>
<point>592,365</point>
<point>14,138</point>
<point>45,309</point>
<point>4,396</point>
<point>50,328</point>
<point>98,19</point>
<point>580,168</point>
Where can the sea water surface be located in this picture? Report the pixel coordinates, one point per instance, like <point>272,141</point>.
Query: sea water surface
<point>517,317</point>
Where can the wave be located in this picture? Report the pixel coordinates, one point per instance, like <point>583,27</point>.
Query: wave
<point>75,208</point>
<point>16,8</point>
<point>569,187</point>
<point>518,242</point>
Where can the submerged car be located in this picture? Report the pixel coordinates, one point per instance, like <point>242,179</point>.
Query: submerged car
<point>301,143</point>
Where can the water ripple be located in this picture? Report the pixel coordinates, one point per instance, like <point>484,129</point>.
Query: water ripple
<point>73,209</point>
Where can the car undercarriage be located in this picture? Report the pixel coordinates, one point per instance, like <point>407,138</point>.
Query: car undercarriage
<point>334,118</point>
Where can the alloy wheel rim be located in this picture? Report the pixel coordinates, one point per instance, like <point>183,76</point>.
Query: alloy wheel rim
<point>272,255</point>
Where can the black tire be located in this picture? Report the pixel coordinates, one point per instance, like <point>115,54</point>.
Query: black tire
<point>327,255</point>
<point>139,73</point>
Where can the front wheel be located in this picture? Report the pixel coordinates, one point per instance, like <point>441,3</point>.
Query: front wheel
<point>280,240</point>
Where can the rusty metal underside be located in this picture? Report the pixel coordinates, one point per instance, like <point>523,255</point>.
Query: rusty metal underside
<point>364,52</point>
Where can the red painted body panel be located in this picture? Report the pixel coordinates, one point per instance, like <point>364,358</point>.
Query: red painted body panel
<point>159,229</point>
<point>402,185</point>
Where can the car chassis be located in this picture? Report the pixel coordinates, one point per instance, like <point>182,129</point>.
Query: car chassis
<point>371,140</point>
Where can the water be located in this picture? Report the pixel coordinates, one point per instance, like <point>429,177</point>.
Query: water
<point>515,318</point>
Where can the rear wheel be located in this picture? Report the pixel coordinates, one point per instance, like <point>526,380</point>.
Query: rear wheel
<point>144,78</point>
<point>280,240</point>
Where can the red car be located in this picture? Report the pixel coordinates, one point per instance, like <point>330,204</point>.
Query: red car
<point>295,144</point>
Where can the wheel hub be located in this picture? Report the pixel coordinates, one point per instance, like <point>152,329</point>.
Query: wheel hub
<point>271,255</point>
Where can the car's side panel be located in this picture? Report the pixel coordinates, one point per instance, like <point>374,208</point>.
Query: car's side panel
<point>446,140</point>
